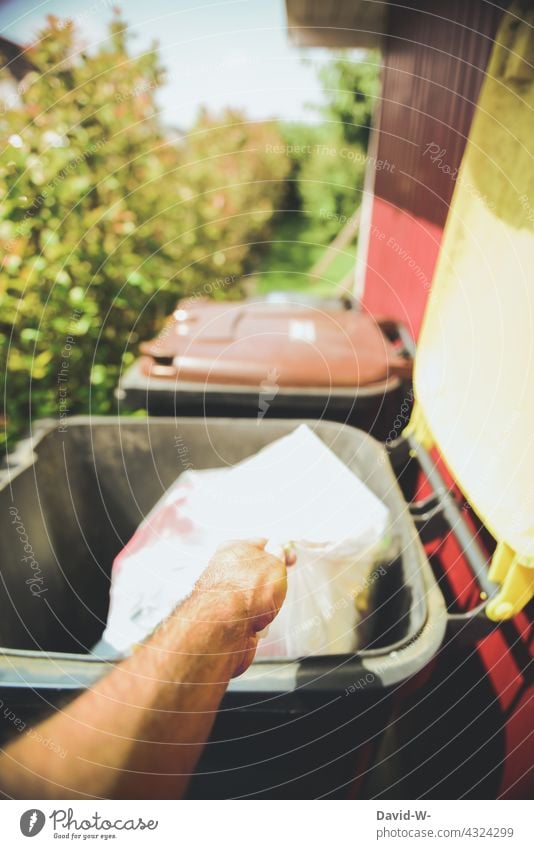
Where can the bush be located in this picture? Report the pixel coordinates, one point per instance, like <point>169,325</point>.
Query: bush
<point>106,220</point>
<point>326,178</point>
<point>236,176</point>
<point>330,185</point>
<point>352,90</point>
<point>328,160</point>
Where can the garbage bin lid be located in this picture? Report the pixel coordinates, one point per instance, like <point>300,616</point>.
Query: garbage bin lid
<point>474,370</point>
<point>285,344</point>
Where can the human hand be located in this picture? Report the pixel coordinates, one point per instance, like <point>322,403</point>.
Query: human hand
<point>247,587</point>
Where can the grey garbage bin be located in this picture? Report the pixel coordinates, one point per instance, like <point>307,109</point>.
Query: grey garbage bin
<point>286,728</point>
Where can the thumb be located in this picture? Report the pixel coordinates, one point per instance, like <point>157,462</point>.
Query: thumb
<point>286,553</point>
<point>256,542</point>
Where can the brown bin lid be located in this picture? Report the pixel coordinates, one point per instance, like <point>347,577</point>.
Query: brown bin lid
<point>293,345</point>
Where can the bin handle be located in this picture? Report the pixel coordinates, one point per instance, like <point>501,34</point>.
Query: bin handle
<point>402,364</point>
<point>401,367</point>
<point>396,330</point>
<point>474,625</point>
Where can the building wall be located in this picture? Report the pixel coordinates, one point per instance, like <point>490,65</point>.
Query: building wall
<point>435,54</point>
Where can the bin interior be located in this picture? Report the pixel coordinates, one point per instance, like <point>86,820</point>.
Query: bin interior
<point>81,498</point>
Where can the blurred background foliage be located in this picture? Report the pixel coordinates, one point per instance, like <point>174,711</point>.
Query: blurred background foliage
<point>352,91</point>
<point>328,162</point>
<point>330,176</point>
<point>107,217</point>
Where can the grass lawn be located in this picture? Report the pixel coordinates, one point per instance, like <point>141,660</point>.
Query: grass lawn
<point>297,244</point>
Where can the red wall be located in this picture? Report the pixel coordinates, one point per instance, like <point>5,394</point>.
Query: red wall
<point>402,253</point>
<point>435,56</point>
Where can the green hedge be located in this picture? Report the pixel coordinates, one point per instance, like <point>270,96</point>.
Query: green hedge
<point>329,159</point>
<point>106,219</point>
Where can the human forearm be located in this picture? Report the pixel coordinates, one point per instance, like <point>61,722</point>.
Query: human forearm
<point>140,731</point>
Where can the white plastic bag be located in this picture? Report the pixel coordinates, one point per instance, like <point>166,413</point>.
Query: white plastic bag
<point>295,491</point>
<point>319,615</point>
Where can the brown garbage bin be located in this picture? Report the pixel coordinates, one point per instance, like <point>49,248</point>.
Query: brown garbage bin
<point>285,359</point>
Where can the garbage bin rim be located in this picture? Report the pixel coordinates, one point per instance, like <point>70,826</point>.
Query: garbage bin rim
<point>135,379</point>
<point>42,668</point>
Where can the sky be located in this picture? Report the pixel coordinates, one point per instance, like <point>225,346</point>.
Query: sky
<point>217,52</point>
